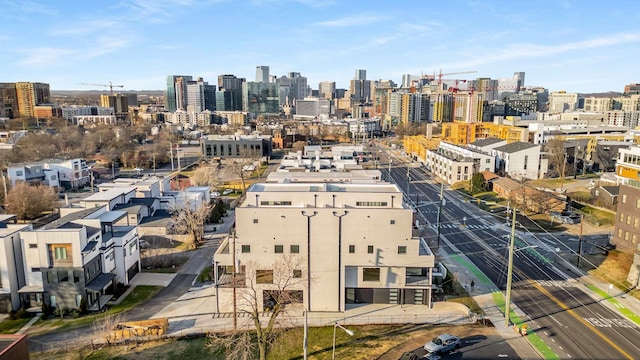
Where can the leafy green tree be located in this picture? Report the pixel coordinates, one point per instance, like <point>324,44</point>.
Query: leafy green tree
<point>477,184</point>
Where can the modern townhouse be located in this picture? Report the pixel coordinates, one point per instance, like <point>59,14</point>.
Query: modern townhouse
<point>77,261</point>
<point>11,270</point>
<point>521,160</point>
<point>454,163</point>
<point>354,244</point>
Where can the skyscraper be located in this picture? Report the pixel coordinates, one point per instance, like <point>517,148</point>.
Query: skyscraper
<point>260,98</point>
<point>170,100</point>
<point>200,96</point>
<point>229,94</point>
<point>262,73</point>
<point>8,100</point>
<point>327,89</point>
<point>361,74</point>
<point>31,94</point>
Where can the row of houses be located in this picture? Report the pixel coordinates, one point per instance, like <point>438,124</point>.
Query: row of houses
<point>77,261</point>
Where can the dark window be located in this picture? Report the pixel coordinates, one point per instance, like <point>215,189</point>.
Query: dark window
<point>402,250</point>
<point>52,277</point>
<point>76,276</point>
<point>352,249</point>
<point>33,246</point>
<point>370,249</point>
<point>371,274</point>
<point>297,273</point>
<point>264,276</point>
<point>246,249</point>
<point>63,276</point>
<point>35,269</point>
<point>278,249</point>
<point>255,221</point>
<point>392,222</point>
<point>294,249</point>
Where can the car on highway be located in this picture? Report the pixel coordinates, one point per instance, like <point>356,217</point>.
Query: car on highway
<point>442,344</point>
<point>138,170</point>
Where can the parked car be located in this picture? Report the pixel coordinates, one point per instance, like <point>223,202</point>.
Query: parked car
<point>138,170</point>
<point>442,344</point>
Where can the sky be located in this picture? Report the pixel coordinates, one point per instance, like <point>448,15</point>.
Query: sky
<point>578,46</point>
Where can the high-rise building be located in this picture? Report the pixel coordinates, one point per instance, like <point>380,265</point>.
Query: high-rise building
<point>327,89</point>
<point>8,100</point>
<point>31,94</point>
<point>299,86</point>
<point>360,90</point>
<point>507,86</point>
<point>262,73</point>
<point>632,89</point>
<point>200,96</point>
<point>361,75</point>
<point>487,87</point>
<point>561,101</point>
<point>119,103</point>
<point>524,102</point>
<point>229,94</point>
<point>408,80</point>
<point>260,98</point>
<point>174,100</point>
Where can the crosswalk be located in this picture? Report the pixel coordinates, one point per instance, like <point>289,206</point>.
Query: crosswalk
<point>459,225</point>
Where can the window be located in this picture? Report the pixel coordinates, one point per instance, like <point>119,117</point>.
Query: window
<point>635,222</point>
<point>624,198</point>
<point>264,276</point>
<point>275,203</point>
<point>35,269</point>
<point>33,246</point>
<point>52,277</point>
<point>392,222</point>
<point>621,217</point>
<point>294,249</point>
<point>63,276</point>
<point>634,238</point>
<point>60,252</point>
<point>637,203</point>
<point>52,300</point>
<point>246,249</point>
<point>626,236</point>
<point>370,249</point>
<point>402,250</point>
<point>19,173</point>
<point>619,233</point>
<point>77,275</point>
<point>255,221</point>
<point>628,219</point>
<point>297,273</point>
<point>278,249</point>
<point>133,247</point>
<point>371,203</point>
<point>78,300</point>
<point>352,249</point>
<point>371,274</point>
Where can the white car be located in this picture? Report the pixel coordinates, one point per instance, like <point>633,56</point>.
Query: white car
<point>442,344</point>
<point>138,169</point>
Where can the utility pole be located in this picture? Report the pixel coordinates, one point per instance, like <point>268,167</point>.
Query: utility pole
<point>580,241</point>
<point>235,305</point>
<point>171,155</point>
<point>408,182</point>
<point>507,304</point>
<point>390,161</point>
<point>440,212</point>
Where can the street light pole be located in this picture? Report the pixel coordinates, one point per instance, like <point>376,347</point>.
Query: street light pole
<point>390,161</point>
<point>349,332</point>
<point>335,213</point>
<point>306,326</point>
<point>408,182</point>
<point>507,304</point>
<point>439,212</point>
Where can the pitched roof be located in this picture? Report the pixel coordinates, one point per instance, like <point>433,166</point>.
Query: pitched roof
<point>515,147</point>
<point>488,175</point>
<point>507,184</point>
<point>613,190</point>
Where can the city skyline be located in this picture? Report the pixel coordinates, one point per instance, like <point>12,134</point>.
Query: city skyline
<point>568,45</point>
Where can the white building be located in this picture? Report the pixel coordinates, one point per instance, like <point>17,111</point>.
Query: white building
<point>69,112</point>
<point>363,127</point>
<point>35,173</point>
<point>312,108</point>
<point>354,243</point>
<point>11,269</point>
<point>561,101</point>
<point>521,160</point>
<point>454,163</point>
<point>73,173</point>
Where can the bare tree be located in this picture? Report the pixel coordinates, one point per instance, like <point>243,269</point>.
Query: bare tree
<point>103,327</point>
<point>28,202</point>
<point>205,176</point>
<point>189,219</point>
<point>557,156</point>
<point>240,166</point>
<point>267,292</point>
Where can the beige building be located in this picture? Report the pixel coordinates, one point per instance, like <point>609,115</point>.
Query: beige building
<point>29,95</point>
<point>354,240</point>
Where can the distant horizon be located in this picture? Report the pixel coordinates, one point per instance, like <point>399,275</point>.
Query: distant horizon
<point>137,43</point>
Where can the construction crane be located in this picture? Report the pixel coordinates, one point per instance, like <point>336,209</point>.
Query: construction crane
<point>441,74</point>
<point>110,86</point>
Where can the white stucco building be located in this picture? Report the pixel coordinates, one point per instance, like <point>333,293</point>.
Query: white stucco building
<point>354,240</point>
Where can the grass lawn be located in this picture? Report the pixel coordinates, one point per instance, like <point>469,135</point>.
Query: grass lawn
<point>549,183</point>
<point>597,216</point>
<point>11,326</point>
<point>139,295</point>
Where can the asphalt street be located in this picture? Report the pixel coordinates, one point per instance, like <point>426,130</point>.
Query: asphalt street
<point>544,286</point>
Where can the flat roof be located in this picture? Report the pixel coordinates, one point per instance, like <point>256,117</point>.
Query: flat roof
<point>109,194</point>
<point>109,216</point>
<point>324,187</point>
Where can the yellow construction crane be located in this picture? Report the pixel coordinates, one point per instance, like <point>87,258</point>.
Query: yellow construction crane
<point>110,86</point>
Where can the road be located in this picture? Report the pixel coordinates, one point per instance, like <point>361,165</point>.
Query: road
<point>564,316</point>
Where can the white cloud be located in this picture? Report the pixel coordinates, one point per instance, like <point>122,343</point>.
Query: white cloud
<point>351,21</point>
<point>85,27</point>
<point>104,46</point>
<point>27,6</point>
<point>44,56</point>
